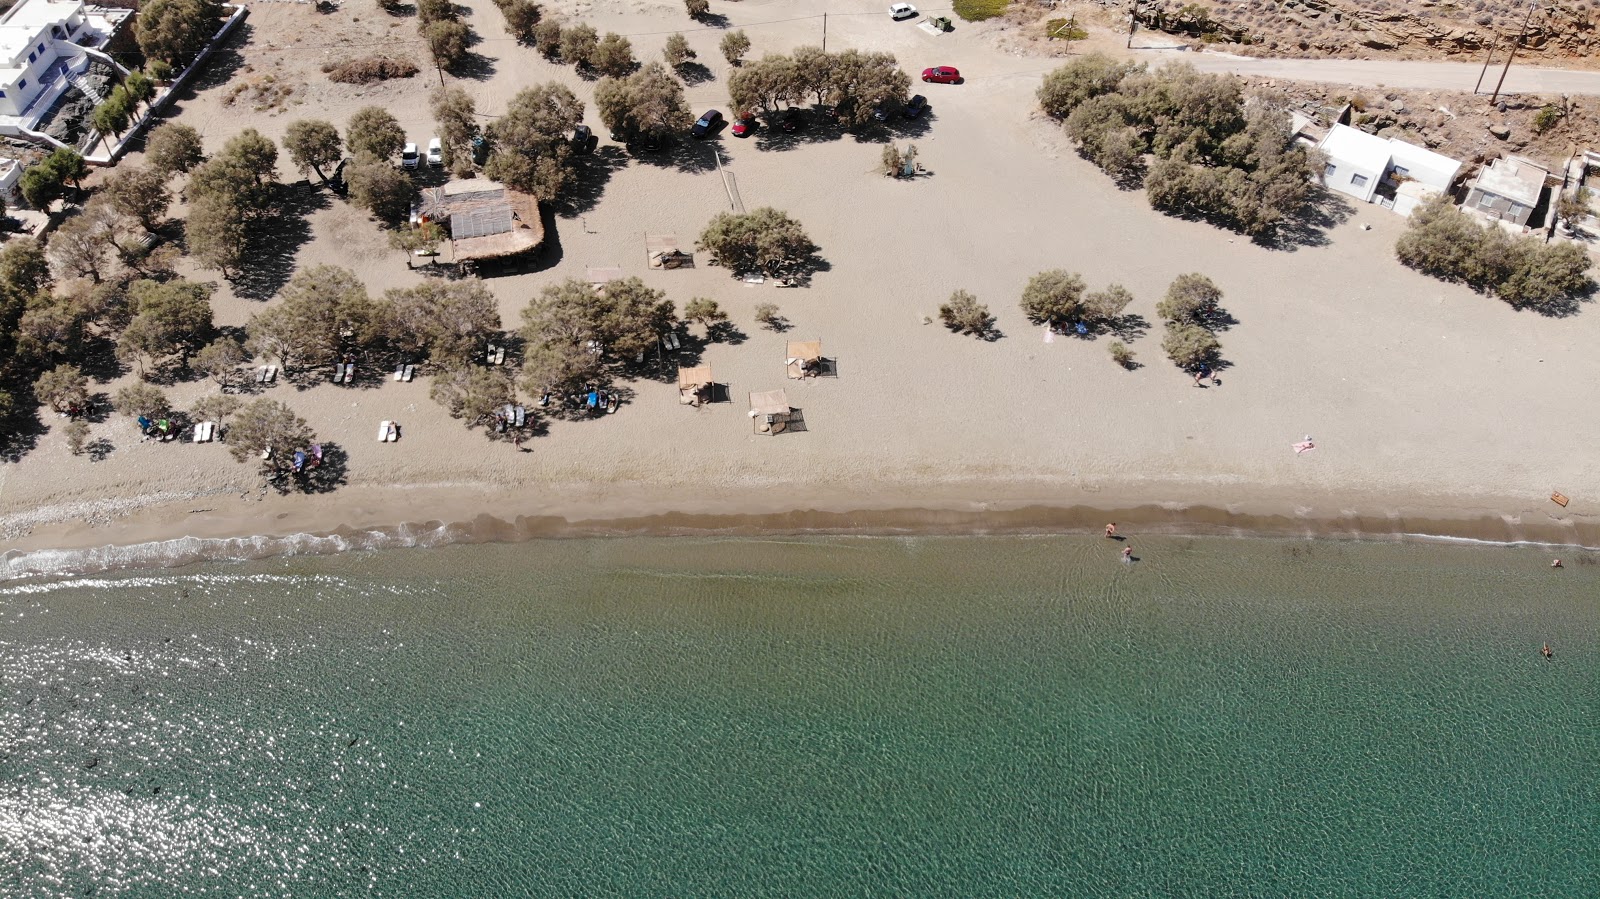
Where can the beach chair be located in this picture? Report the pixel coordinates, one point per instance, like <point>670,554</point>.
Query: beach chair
<point>405,373</point>
<point>520,418</point>
<point>499,355</point>
<point>670,342</point>
<point>338,373</point>
<point>266,374</point>
<point>383,430</point>
<point>205,431</point>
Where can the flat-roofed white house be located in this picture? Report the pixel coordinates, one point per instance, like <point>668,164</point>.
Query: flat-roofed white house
<point>45,46</point>
<point>1387,171</point>
<point>1508,190</point>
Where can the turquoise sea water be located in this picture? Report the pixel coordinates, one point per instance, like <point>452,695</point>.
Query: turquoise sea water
<point>919,717</point>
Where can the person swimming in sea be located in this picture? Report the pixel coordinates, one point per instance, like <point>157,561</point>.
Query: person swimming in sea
<point>1548,653</point>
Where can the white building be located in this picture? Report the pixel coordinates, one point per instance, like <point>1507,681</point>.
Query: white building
<point>1389,172</point>
<point>44,46</point>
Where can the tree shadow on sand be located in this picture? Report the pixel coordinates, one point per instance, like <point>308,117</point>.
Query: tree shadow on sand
<point>1323,211</point>
<point>591,173</point>
<point>277,238</point>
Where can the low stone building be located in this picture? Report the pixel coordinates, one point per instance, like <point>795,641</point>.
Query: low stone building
<point>1374,169</point>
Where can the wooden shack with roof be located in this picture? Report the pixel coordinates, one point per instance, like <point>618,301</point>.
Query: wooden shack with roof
<point>486,219</point>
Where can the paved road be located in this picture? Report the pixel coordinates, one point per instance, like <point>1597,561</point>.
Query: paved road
<point>1456,76</point>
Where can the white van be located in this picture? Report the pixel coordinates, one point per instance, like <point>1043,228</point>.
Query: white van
<point>435,153</point>
<point>408,156</point>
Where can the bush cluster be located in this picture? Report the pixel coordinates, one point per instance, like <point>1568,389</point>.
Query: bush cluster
<point>1526,272</point>
<point>368,69</point>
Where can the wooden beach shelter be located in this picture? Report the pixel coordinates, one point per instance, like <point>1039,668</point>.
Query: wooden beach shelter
<point>769,410</point>
<point>695,385</point>
<point>804,358</point>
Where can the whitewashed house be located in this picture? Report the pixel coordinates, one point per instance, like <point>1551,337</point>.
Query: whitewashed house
<point>1390,172</point>
<point>45,46</point>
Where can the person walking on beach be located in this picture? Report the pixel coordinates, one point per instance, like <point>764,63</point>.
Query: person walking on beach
<point>1127,555</point>
<point>1111,531</point>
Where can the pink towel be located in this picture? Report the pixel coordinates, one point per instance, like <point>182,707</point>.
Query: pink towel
<point>1302,446</point>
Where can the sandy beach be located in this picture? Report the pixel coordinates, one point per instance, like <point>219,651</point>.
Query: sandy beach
<point>1433,409</point>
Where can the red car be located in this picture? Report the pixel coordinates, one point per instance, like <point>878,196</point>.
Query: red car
<point>942,75</point>
<point>746,125</point>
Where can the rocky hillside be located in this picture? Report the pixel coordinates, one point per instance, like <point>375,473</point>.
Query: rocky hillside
<point>1565,30</point>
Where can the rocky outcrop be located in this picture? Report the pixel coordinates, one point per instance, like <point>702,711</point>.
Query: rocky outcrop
<point>1354,27</point>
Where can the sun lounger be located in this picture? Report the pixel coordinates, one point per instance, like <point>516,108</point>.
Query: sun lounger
<point>520,418</point>
<point>388,431</point>
<point>266,374</point>
<point>496,355</point>
<point>669,341</point>
<point>405,373</point>
<point>338,373</point>
<point>205,431</point>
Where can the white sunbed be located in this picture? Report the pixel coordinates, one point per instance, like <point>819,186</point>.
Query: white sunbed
<point>405,373</point>
<point>266,374</point>
<point>388,431</point>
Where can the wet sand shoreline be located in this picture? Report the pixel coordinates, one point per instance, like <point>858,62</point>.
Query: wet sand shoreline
<point>210,527</point>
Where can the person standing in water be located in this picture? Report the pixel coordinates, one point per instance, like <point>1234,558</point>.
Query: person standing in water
<point>1127,554</point>
<point>1111,531</point>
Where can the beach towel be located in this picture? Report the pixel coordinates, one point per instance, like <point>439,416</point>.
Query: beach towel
<point>1303,446</point>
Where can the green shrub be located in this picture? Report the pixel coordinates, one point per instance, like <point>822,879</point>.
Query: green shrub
<point>978,10</point>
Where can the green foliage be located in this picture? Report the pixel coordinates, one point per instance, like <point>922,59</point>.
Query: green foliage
<point>704,311</point>
<point>697,8</point>
<point>522,19</point>
<point>175,31</point>
<point>77,434</point>
<point>447,42</point>
<point>269,431</point>
<point>215,407</point>
<point>374,133</point>
<point>547,38</point>
<point>890,160</point>
<point>63,387</point>
<point>423,238</point>
<point>852,82</point>
<point>140,87</point>
<point>1121,354</point>
<point>763,241</point>
<point>571,330</point>
<point>1574,207</point>
<point>766,314</point>
<point>965,315</point>
<point>80,244</point>
<point>138,192</point>
<point>111,117</point>
<point>1446,243</point>
<point>449,321</point>
<point>314,145</point>
<point>734,45</point>
<point>1080,80</point>
<point>173,147</point>
<point>979,10</point>
<point>1190,299</point>
<point>532,152</point>
<point>1214,161</point>
<point>473,393</point>
<point>647,104</point>
<point>215,233</point>
<point>1054,297</point>
<point>1190,346</point>
<point>613,56</point>
<point>252,152</point>
<point>139,399</point>
<point>677,51</point>
<point>578,44</point>
<point>1063,30</point>
<point>429,11</point>
<point>45,181</point>
<point>220,360</point>
<point>171,318</point>
<point>380,188</point>
<point>1546,118</point>
<point>322,311</point>
<point>456,114</point>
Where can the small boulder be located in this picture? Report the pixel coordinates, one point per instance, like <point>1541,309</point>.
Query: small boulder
<point>1500,130</point>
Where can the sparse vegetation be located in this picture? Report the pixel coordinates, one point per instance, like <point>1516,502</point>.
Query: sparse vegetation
<point>979,10</point>
<point>647,105</point>
<point>676,52</point>
<point>703,311</point>
<point>269,431</point>
<point>1121,355</point>
<point>369,69</point>
<point>764,241</point>
<point>734,45</point>
<point>173,148</point>
<point>697,9</point>
<point>963,314</point>
<point>532,152</point>
<point>768,316</point>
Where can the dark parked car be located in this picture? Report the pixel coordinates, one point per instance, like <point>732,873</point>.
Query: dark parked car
<point>793,120</point>
<point>707,124</point>
<point>583,140</point>
<point>336,181</point>
<point>916,106</point>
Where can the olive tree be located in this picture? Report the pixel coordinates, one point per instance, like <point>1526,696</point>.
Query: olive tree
<point>322,309</point>
<point>697,9</point>
<point>531,148</point>
<point>269,431</point>
<point>648,104</point>
<point>220,360</point>
<point>578,44</point>
<point>456,114</point>
<point>1189,345</point>
<point>171,318</point>
<point>447,320</point>
<point>138,192</point>
<point>522,18</point>
<point>173,147</point>
<point>375,133</point>
<point>677,51</point>
<point>1080,80</point>
<point>764,241</point>
<point>1108,304</point>
<point>215,233</point>
<point>62,388</point>
<point>613,56</point>
<point>1190,298</point>
<point>472,393</point>
<point>314,145</point>
<point>704,311</point>
<point>447,42</point>
<point>572,330</point>
<point>139,399</point>
<point>175,31</point>
<point>1054,297</point>
<point>735,44</point>
<point>380,188</point>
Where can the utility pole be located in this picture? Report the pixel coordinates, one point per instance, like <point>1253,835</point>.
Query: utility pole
<point>824,32</point>
<point>1495,42</point>
<point>1513,54</point>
